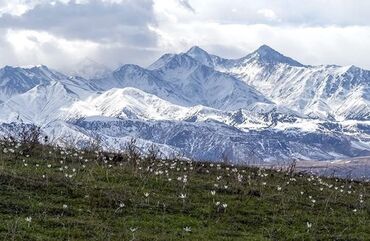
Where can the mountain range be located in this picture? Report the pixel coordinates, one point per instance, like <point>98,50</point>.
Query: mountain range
<point>262,108</point>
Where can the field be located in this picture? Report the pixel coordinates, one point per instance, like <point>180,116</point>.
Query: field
<point>49,193</point>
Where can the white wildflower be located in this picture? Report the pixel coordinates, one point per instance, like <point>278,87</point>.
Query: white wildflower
<point>187,229</point>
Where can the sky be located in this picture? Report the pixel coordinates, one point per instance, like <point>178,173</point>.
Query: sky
<point>61,33</point>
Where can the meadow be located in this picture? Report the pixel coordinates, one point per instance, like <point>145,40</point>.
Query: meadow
<point>53,193</point>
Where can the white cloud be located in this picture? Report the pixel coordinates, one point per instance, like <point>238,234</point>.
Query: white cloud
<point>35,47</point>
<point>14,7</point>
<point>268,14</point>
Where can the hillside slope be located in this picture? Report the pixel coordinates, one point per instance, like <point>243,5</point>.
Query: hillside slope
<point>54,194</point>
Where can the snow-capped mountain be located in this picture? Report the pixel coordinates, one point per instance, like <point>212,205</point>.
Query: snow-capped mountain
<point>37,105</point>
<point>182,80</point>
<point>126,103</point>
<point>264,107</point>
<point>327,91</point>
<point>203,85</point>
<point>16,80</point>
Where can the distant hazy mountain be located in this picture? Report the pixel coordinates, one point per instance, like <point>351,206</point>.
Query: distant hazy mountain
<point>90,69</point>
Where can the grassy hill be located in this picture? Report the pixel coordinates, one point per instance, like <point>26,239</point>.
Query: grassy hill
<point>48,193</point>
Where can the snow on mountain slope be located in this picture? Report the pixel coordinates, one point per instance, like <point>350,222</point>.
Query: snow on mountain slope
<point>126,103</point>
<point>321,91</point>
<point>80,86</point>
<point>40,105</point>
<point>131,103</point>
<point>203,85</point>
<point>207,59</point>
<point>184,81</point>
<point>137,77</point>
<point>264,55</point>
<point>318,91</point>
<point>211,141</point>
<point>16,80</point>
<point>267,56</point>
<point>71,134</point>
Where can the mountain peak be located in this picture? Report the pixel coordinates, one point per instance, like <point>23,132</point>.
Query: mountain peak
<point>130,68</point>
<point>42,68</point>
<point>88,60</point>
<point>265,49</point>
<point>182,60</point>
<point>173,61</point>
<point>8,67</point>
<point>267,55</point>
<point>201,56</point>
<point>196,50</point>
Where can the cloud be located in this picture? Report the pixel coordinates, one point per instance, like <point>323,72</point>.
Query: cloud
<point>268,14</point>
<point>14,7</point>
<point>62,32</point>
<point>98,21</point>
<point>291,12</point>
<point>186,4</point>
<point>52,31</point>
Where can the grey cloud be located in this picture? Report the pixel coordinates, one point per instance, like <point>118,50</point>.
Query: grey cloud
<point>126,22</point>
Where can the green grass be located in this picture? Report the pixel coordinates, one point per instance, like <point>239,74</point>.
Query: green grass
<point>256,207</point>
